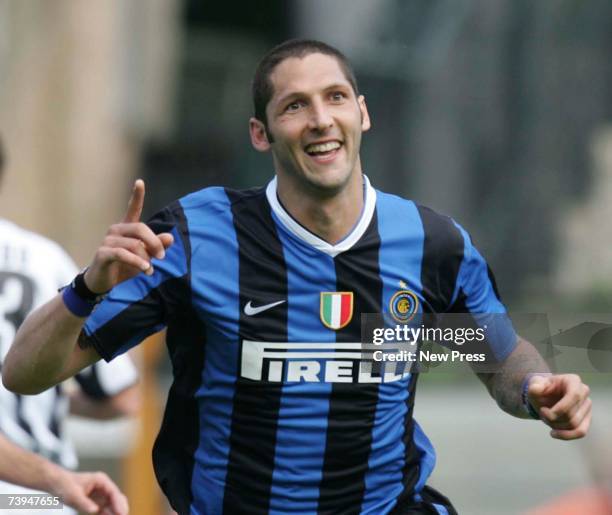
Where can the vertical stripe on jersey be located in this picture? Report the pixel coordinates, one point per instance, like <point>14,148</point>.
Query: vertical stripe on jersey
<point>300,447</point>
<point>262,280</point>
<point>90,383</point>
<point>212,222</point>
<point>401,255</point>
<point>56,415</point>
<point>352,406</point>
<point>476,293</point>
<point>442,257</point>
<point>23,423</point>
<point>179,433</point>
<point>176,444</point>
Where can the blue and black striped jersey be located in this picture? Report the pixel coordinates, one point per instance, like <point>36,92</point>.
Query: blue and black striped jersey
<point>267,412</point>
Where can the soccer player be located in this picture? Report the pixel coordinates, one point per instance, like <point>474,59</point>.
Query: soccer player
<point>262,292</point>
<point>35,454</point>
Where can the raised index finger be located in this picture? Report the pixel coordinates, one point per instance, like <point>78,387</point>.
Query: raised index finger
<point>136,203</point>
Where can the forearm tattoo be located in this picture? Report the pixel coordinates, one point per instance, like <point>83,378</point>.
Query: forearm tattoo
<point>505,384</point>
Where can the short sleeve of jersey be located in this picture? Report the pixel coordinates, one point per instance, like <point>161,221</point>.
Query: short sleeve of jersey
<point>141,306</point>
<point>476,293</point>
<point>103,380</point>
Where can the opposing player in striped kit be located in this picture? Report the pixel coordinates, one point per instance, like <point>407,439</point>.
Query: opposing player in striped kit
<point>35,452</point>
<point>262,293</point>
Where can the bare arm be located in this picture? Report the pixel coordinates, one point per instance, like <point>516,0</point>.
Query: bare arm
<point>505,385</point>
<point>561,401</point>
<point>25,468</point>
<point>88,492</point>
<point>45,350</point>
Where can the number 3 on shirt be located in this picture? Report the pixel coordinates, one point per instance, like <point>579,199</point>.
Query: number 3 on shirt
<point>16,300</point>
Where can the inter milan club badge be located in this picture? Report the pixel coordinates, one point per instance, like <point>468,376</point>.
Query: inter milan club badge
<point>336,308</point>
<point>403,306</point>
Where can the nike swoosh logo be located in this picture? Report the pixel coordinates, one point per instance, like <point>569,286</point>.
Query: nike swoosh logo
<point>249,310</point>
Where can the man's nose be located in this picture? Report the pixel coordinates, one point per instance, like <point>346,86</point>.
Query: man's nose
<point>320,117</point>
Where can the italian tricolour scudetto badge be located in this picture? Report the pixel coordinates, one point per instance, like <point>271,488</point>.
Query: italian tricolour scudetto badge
<point>336,308</point>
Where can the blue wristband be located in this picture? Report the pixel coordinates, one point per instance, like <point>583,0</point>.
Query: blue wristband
<point>531,411</point>
<point>75,304</point>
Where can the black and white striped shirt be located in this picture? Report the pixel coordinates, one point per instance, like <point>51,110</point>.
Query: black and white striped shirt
<point>32,268</point>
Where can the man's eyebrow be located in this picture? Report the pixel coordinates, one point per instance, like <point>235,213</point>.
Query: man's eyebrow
<point>338,85</point>
<point>297,94</point>
<point>290,96</point>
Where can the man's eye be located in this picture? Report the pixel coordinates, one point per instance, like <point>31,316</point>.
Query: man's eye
<point>338,96</point>
<point>293,106</point>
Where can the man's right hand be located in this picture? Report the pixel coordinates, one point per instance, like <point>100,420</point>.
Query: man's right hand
<point>89,492</point>
<point>127,248</point>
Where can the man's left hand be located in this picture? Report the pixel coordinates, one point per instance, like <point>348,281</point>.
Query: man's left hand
<point>563,403</point>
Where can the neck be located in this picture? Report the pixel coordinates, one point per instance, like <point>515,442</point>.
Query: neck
<point>330,217</point>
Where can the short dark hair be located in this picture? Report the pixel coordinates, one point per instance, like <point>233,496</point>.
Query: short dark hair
<point>262,87</point>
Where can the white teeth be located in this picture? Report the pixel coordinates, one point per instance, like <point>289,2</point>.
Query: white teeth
<point>322,147</point>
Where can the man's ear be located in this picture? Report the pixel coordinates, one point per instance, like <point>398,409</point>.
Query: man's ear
<point>259,135</point>
<point>365,117</point>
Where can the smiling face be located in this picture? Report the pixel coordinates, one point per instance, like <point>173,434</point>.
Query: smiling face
<point>316,121</point>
